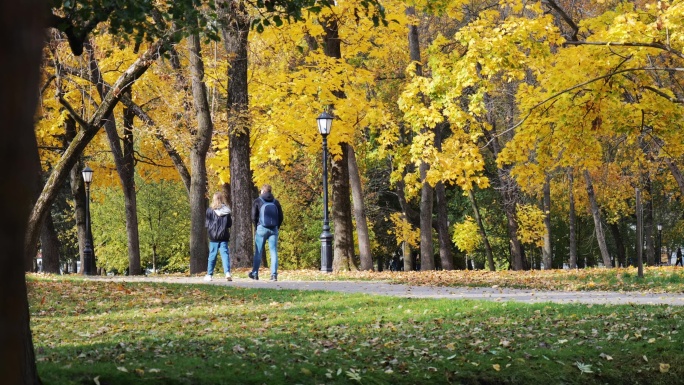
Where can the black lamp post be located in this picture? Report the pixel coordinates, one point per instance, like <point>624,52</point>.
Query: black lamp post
<point>324,121</point>
<point>660,244</point>
<point>88,247</point>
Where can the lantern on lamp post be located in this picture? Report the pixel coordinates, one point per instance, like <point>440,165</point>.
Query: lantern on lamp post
<point>324,121</point>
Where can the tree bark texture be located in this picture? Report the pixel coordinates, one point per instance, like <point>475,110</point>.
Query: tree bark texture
<point>127,177</point>
<point>572,221</point>
<point>365,255</point>
<point>78,193</point>
<point>596,214</point>
<point>546,205</point>
<point>235,33</point>
<point>124,162</point>
<point>22,26</point>
<point>88,130</point>
<point>343,243</point>
<point>199,246</point>
<point>49,245</point>
<point>343,253</point>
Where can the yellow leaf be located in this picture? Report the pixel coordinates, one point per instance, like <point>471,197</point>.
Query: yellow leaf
<point>664,368</point>
<point>496,367</point>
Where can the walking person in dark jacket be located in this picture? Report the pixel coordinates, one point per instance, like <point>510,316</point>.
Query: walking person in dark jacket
<point>678,261</point>
<point>218,222</point>
<point>267,216</point>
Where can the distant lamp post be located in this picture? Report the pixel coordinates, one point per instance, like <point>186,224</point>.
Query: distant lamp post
<point>88,247</point>
<point>660,244</point>
<point>324,121</point>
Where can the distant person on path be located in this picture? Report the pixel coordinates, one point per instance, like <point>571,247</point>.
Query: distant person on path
<point>218,222</point>
<point>267,216</point>
<point>679,257</point>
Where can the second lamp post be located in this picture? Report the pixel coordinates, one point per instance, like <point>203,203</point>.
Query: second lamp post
<point>324,125</point>
<point>88,246</point>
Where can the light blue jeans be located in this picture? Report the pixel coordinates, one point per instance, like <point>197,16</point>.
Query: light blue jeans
<point>262,235</point>
<point>214,248</point>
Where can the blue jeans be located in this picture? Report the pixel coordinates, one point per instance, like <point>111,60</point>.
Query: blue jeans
<point>214,247</point>
<point>262,235</point>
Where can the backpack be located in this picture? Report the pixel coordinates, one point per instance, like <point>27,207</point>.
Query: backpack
<point>268,214</point>
<point>218,227</point>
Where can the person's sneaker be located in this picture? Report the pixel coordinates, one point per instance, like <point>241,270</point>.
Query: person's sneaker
<point>207,277</point>
<point>274,277</point>
<point>228,277</point>
<point>253,275</point>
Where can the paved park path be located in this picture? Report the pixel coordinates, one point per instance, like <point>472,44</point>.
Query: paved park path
<point>407,291</point>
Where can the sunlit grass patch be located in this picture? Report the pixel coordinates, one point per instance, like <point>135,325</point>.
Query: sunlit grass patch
<point>143,333</point>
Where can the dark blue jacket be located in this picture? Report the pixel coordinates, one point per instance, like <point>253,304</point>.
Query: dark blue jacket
<point>256,208</point>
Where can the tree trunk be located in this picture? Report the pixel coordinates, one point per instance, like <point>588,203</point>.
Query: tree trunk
<point>648,223</point>
<point>343,254</point>
<point>427,260</point>
<point>199,247</point>
<point>127,177</point>
<point>88,131</point>
<point>21,53</point>
<point>445,256</point>
<point>572,220</point>
<point>123,159</point>
<point>546,249</point>
<point>365,254</point>
<point>408,258</point>
<point>235,32</point>
<point>343,243</point>
<point>596,213</point>
<point>483,233</point>
<point>619,245</point>
<point>49,244</point>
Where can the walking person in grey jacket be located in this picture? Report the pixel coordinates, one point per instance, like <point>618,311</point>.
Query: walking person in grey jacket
<point>218,222</point>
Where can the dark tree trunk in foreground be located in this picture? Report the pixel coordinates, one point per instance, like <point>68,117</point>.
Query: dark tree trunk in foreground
<point>235,32</point>
<point>22,27</point>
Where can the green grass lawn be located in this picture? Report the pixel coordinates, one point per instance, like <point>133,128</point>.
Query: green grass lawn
<point>88,332</point>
